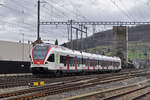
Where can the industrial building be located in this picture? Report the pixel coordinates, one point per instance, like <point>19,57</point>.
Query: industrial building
<point>14,57</point>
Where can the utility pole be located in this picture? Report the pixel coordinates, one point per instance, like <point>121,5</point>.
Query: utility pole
<point>81,37</point>
<point>68,30</point>
<point>71,34</point>
<point>94,29</point>
<point>77,34</point>
<point>38,23</point>
<point>86,44</point>
<point>85,31</point>
<point>81,32</point>
<point>22,46</point>
<point>77,38</point>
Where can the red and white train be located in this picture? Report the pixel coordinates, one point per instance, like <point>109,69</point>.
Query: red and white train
<point>52,59</point>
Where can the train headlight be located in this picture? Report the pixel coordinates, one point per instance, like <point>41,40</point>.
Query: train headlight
<point>46,62</point>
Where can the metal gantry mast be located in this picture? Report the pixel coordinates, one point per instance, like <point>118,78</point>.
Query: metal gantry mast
<point>93,23</point>
<point>38,23</point>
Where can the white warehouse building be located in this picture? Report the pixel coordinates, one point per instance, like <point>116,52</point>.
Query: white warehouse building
<point>13,51</point>
<point>14,57</point>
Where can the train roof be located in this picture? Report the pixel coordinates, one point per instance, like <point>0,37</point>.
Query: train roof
<point>85,54</point>
<point>74,53</point>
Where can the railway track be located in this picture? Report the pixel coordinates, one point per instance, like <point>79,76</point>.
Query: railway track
<point>56,86</point>
<point>133,93</point>
<point>137,91</point>
<point>67,86</point>
<point>23,81</point>
<point>142,96</point>
<point>14,81</point>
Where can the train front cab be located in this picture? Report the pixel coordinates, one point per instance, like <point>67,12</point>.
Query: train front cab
<point>41,59</point>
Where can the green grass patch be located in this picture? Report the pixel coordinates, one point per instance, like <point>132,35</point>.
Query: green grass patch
<point>136,50</point>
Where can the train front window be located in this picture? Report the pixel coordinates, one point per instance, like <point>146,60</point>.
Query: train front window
<point>51,58</point>
<point>39,52</point>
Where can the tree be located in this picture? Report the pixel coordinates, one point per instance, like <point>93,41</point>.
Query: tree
<point>56,42</point>
<point>65,45</point>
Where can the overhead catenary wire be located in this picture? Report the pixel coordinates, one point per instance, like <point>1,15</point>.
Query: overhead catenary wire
<point>140,10</point>
<point>57,9</point>
<point>16,23</point>
<point>125,7</point>
<point>58,13</point>
<point>66,9</point>
<point>122,11</point>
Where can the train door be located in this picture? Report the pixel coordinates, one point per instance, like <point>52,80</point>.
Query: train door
<point>82,63</point>
<point>75,61</point>
<point>88,63</point>
<point>57,60</point>
<point>51,62</point>
<point>68,62</point>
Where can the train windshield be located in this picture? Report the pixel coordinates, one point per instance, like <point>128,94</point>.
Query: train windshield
<point>39,52</point>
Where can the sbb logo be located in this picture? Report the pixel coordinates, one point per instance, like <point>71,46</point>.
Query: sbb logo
<point>38,62</point>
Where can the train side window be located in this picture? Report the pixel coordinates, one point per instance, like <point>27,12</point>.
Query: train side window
<point>102,63</point>
<point>71,61</point>
<point>91,63</point>
<point>79,61</point>
<point>86,62</point>
<point>98,62</point>
<point>110,63</point>
<point>51,58</point>
<point>75,60</point>
<point>105,63</point>
<point>113,64</point>
<point>63,60</point>
<point>117,64</point>
<point>83,61</point>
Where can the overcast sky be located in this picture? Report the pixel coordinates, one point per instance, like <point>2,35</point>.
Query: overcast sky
<point>19,17</point>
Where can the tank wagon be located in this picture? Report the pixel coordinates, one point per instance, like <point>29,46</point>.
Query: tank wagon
<point>52,59</point>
